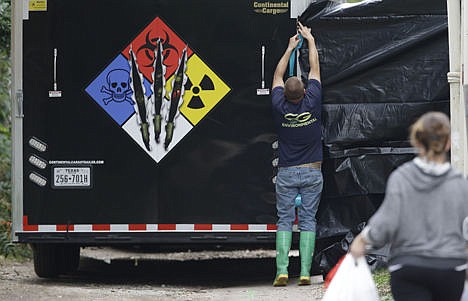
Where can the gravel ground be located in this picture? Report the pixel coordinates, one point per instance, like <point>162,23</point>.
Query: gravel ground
<point>110,274</point>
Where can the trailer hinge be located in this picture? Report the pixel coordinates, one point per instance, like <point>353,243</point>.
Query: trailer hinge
<point>19,104</point>
<point>453,77</point>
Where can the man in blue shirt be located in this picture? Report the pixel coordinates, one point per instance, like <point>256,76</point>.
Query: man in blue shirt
<point>297,118</point>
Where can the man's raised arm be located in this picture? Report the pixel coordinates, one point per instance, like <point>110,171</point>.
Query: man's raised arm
<point>283,62</point>
<point>314,72</point>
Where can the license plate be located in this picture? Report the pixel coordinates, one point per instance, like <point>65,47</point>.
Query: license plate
<point>72,177</point>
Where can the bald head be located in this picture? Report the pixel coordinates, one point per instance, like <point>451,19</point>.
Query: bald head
<point>294,89</point>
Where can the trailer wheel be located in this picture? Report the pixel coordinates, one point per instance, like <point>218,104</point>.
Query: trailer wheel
<point>69,258</point>
<point>51,260</point>
<point>46,263</point>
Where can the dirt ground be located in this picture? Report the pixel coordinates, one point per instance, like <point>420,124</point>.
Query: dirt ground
<point>110,274</point>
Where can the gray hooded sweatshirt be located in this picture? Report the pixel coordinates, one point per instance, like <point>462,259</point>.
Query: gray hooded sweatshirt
<point>421,217</point>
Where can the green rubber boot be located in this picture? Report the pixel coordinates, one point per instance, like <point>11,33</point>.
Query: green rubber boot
<point>283,244</point>
<point>306,251</point>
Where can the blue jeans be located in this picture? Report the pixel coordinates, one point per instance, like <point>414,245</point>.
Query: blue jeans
<point>289,182</point>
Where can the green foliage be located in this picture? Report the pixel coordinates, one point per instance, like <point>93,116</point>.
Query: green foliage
<point>7,248</point>
<point>4,94</point>
<point>5,38</point>
<point>5,137</point>
<point>5,25</point>
<point>382,281</point>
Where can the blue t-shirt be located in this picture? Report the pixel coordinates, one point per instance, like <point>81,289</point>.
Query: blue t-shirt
<point>299,126</point>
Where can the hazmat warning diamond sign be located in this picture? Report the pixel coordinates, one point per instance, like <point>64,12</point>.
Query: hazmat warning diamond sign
<point>157,89</point>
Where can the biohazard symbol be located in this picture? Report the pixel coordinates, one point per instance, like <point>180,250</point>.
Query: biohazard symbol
<point>203,90</point>
<point>170,53</point>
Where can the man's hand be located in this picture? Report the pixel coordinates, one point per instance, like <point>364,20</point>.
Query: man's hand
<point>314,72</point>
<point>293,42</point>
<point>305,32</point>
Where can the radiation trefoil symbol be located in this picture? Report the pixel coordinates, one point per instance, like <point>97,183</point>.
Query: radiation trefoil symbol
<point>157,89</point>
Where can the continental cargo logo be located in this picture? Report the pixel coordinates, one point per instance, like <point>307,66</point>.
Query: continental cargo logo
<point>157,89</point>
<point>270,8</point>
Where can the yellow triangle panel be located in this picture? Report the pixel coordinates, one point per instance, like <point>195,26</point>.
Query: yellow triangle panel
<point>204,91</point>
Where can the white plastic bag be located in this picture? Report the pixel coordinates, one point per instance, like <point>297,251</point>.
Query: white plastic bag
<point>352,282</point>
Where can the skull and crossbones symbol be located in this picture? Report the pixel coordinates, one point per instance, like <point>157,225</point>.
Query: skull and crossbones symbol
<point>118,81</point>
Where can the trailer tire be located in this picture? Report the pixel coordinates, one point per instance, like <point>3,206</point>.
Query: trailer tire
<point>51,260</point>
<point>46,263</point>
<point>68,259</point>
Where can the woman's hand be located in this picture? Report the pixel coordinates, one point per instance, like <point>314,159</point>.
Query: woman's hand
<point>358,246</point>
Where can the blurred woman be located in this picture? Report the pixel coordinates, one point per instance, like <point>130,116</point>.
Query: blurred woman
<point>421,217</point>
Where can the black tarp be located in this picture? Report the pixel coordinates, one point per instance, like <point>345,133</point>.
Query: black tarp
<point>329,256</point>
<point>383,64</point>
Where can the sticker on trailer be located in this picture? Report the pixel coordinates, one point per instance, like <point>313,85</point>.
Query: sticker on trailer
<point>37,5</point>
<point>157,89</point>
<point>71,177</point>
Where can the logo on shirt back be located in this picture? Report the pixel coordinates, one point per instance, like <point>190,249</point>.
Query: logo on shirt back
<point>298,120</point>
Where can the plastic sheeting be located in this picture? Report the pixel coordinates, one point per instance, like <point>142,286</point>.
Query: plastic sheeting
<point>383,64</point>
<point>327,258</point>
